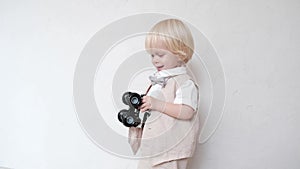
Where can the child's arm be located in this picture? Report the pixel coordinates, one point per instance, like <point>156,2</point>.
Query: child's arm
<point>179,111</point>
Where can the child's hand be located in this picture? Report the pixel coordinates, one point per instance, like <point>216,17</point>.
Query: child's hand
<point>147,103</point>
<point>150,103</point>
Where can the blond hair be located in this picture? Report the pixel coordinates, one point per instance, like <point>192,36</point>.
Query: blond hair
<point>175,35</point>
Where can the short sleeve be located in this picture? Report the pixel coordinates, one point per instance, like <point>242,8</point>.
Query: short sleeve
<point>187,94</point>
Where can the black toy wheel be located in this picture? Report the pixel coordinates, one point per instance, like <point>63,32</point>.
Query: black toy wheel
<point>135,100</point>
<point>128,121</point>
<point>122,114</point>
<point>131,121</point>
<point>125,98</point>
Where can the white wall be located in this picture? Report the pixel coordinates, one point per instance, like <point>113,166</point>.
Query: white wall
<point>257,42</point>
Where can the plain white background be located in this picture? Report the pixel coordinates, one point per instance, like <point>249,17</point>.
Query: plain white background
<point>258,43</point>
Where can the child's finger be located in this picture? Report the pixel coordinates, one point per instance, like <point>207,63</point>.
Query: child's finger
<point>145,98</point>
<point>143,106</point>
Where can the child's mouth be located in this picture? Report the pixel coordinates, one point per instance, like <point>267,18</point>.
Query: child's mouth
<point>159,68</point>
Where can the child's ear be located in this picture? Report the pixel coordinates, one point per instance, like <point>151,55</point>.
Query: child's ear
<point>180,62</point>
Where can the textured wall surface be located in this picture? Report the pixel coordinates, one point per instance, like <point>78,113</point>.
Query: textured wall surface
<point>258,43</point>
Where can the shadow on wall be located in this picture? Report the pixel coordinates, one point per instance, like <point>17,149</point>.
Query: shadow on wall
<point>207,71</point>
<point>4,168</point>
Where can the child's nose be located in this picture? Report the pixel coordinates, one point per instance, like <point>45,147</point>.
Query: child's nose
<point>155,58</point>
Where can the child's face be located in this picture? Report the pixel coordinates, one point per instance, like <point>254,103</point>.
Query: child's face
<point>163,59</point>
